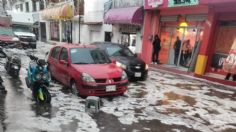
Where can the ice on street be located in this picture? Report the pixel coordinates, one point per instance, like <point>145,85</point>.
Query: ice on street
<point>164,102</point>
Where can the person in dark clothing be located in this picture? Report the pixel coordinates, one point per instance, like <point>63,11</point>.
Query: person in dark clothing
<point>156,49</point>
<point>68,36</point>
<point>177,46</point>
<point>229,75</point>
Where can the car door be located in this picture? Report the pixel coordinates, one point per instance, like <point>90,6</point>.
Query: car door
<point>53,61</point>
<point>63,66</point>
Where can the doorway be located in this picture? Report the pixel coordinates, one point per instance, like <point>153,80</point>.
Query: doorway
<point>129,40</point>
<point>179,53</point>
<point>43,31</point>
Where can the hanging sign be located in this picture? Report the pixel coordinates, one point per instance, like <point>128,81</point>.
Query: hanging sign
<point>154,3</point>
<point>174,3</point>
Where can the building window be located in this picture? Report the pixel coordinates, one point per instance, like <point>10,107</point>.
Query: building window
<point>34,5</point>
<point>79,7</point>
<point>41,4</point>
<point>27,6</point>
<point>54,31</point>
<point>21,7</point>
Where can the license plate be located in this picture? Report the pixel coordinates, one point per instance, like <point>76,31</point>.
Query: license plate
<point>111,88</point>
<point>137,74</point>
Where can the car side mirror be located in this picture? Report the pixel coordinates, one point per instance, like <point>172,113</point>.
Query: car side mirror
<point>113,60</point>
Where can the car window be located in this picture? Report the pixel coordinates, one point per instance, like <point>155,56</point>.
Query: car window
<point>55,52</point>
<point>88,56</point>
<point>6,31</point>
<point>119,51</point>
<point>64,55</point>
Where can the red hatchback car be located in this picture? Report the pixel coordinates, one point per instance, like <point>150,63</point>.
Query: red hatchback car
<point>87,70</point>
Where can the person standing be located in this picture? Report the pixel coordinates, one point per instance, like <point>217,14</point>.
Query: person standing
<point>177,46</point>
<point>156,49</point>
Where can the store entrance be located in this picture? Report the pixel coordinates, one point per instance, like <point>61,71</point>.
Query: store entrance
<point>178,45</point>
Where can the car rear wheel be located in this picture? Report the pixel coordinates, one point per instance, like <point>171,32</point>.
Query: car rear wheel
<point>74,89</point>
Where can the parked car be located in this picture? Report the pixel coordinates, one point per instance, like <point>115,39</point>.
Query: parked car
<point>27,38</point>
<point>7,37</point>
<point>87,70</point>
<point>134,67</point>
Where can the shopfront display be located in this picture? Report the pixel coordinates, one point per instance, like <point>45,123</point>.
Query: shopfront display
<point>178,40</point>
<point>54,30</point>
<point>66,31</point>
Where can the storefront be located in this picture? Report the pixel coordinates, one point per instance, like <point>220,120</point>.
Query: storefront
<point>171,20</point>
<point>58,19</point>
<point>222,35</point>
<point>207,27</point>
<point>126,20</point>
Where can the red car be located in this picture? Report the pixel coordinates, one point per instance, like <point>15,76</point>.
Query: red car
<point>87,70</point>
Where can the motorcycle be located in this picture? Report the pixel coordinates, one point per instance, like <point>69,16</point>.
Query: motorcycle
<point>13,65</point>
<point>2,87</point>
<point>38,79</point>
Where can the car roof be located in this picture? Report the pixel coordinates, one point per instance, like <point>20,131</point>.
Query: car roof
<point>107,44</point>
<point>66,45</point>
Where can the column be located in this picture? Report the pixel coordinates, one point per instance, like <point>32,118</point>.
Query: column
<point>208,36</point>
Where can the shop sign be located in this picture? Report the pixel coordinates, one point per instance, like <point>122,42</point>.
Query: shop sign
<point>154,3</point>
<point>174,3</point>
<point>127,3</point>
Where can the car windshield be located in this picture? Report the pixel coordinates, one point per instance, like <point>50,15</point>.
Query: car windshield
<point>88,56</point>
<point>21,29</point>
<point>119,51</point>
<point>6,31</point>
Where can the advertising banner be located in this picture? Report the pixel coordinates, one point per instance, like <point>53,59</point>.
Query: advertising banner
<point>229,65</point>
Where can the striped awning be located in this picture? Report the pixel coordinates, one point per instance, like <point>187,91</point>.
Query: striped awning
<point>63,12</point>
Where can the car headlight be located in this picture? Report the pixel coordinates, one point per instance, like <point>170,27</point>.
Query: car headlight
<point>124,76</point>
<point>38,76</point>
<point>15,39</point>
<point>146,67</point>
<point>45,77</point>
<point>121,65</point>
<point>87,78</point>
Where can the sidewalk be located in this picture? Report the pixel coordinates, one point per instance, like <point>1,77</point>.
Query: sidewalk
<point>205,77</point>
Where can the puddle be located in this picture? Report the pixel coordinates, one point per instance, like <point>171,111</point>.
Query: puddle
<point>139,94</point>
<point>221,95</point>
<point>173,96</point>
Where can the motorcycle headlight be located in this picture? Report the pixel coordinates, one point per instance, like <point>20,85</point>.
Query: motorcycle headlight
<point>38,76</point>
<point>15,67</point>
<point>87,78</point>
<point>123,66</point>
<point>124,76</point>
<point>45,77</point>
<point>146,67</point>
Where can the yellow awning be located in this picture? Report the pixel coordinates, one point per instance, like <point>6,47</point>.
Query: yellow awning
<point>63,12</point>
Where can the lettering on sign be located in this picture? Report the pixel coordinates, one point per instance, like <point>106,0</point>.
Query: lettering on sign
<point>174,3</point>
<point>127,3</point>
<point>154,3</point>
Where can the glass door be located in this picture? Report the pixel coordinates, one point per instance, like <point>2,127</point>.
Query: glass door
<point>177,45</point>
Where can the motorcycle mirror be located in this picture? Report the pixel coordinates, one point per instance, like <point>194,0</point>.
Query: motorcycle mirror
<point>2,54</point>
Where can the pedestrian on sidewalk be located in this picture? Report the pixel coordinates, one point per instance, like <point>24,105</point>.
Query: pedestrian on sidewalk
<point>156,49</point>
<point>177,46</point>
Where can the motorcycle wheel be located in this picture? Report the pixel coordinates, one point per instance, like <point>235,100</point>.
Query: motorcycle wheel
<point>46,96</point>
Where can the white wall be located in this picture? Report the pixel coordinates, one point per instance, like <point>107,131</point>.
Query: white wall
<point>94,10</point>
<point>90,33</point>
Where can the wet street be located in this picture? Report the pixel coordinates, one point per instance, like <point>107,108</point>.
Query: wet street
<point>164,102</point>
